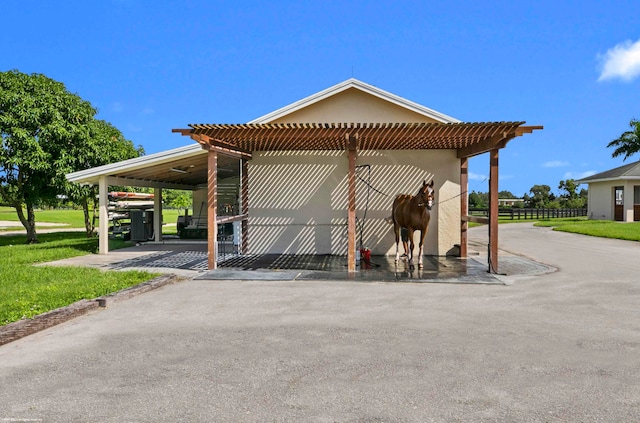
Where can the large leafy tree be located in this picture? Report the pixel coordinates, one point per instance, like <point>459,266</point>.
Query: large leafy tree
<point>42,127</point>
<point>628,143</point>
<point>541,196</point>
<point>105,144</point>
<point>569,194</point>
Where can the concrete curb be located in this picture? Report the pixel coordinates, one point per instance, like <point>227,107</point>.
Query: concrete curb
<point>22,328</point>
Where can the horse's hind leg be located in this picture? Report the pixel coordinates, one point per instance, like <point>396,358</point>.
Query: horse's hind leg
<point>396,229</point>
<point>423,233</point>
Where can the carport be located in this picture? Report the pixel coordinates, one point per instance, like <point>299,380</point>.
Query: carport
<point>240,141</point>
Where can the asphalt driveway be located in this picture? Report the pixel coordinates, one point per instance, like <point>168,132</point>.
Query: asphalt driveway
<point>561,346</point>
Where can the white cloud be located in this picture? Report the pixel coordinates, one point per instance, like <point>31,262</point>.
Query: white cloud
<point>621,61</point>
<point>147,111</point>
<point>579,175</point>
<point>476,177</point>
<point>555,163</point>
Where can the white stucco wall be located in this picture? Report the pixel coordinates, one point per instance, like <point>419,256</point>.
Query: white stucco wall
<point>353,105</point>
<point>601,199</point>
<point>298,200</point>
<point>600,202</point>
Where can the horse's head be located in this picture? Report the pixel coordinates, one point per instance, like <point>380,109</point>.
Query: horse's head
<point>427,195</point>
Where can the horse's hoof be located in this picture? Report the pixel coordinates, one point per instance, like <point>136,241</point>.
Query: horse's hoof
<point>411,267</point>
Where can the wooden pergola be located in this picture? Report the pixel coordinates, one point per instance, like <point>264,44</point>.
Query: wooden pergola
<point>468,139</point>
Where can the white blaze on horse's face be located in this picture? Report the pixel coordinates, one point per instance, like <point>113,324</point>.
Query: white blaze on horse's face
<point>430,198</point>
<point>428,194</point>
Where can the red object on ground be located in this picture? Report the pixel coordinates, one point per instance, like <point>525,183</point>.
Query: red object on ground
<point>365,254</point>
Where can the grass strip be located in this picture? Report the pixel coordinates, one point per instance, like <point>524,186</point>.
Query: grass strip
<point>26,290</point>
<point>629,231</point>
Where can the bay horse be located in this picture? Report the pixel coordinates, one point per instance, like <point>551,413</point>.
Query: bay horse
<point>413,213</point>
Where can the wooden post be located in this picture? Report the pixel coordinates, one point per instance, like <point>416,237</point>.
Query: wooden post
<point>244,204</point>
<point>351,204</point>
<point>464,204</point>
<point>493,212</point>
<point>103,215</point>
<point>157,217</point>
<point>212,208</point>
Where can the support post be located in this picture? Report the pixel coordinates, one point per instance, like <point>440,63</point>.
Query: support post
<point>103,215</point>
<point>464,205</point>
<point>212,208</point>
<point>157,217</point>
<point>493,212</point>
<point>244,204</point>
<point>351,204</point>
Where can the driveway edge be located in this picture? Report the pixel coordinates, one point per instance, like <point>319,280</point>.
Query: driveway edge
<point>25,327</point>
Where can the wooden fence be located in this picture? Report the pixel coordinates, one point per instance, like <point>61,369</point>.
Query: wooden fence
<point>518,213</point>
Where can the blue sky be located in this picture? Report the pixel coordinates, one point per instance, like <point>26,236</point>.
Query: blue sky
<point>150,66</point>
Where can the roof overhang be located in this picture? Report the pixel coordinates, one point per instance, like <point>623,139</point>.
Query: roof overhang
<point>468,139</point>
<point>186,167</point>
<point>179,168</point>
<point>617,178</point>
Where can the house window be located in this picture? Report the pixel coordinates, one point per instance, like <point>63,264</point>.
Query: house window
<point>619,196</point>
<point>636,194</point>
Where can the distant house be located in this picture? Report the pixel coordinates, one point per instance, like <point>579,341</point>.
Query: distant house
<point>510,202</point>
<point>615,194</point>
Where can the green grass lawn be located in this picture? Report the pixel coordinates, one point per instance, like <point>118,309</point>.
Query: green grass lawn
<point>71,218</point>
<point>601,228</point>
<point>581,225</point>
<point>75,219</point>
<point>27,290</point>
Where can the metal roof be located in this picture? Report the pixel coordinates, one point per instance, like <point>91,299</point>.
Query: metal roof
<point>628,171</point>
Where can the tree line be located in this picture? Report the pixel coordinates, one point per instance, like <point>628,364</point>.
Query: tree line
<point>539,196</point>
<point>45,133</point>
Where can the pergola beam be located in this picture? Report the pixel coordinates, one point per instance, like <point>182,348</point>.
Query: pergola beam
<point>464,205</point>
<point>212,209</point>
<point>493,211</point>
<point>352,146</point>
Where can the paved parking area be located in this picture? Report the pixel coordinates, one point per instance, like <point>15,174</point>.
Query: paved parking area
<point>553,346</point>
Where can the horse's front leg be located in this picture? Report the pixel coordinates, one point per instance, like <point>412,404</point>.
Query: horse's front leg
<point>411,245</point>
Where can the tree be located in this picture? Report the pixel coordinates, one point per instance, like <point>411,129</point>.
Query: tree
<point>569,196</point>
<point>506,195</point>
<point>628,143</point>
<point>177,198</point>
<point>478,200</point>
<point>42,124</point>
<point>105,144</point>
<point>541,196</point>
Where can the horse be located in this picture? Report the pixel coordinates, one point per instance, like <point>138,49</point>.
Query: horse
<point>413,213</point>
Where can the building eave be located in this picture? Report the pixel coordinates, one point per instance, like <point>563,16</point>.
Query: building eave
<point>92,176</point>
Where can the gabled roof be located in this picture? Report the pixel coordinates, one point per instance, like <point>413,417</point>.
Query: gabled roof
<point>359,85</point>
<point>629,171</point>
<point>165,160</point>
